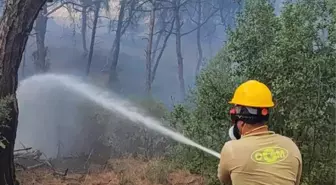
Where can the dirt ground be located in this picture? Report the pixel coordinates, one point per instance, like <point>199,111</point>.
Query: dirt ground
<point>128,171</point>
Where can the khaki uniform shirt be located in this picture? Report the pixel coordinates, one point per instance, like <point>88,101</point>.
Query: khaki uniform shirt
<point>263,158</point>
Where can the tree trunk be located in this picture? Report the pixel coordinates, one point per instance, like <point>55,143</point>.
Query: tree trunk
<point>221,11</point>
<point>149,50</point>
<point>107,66</point>
<point>93,36</point>
<point>109,59</point>
<point>23,64</point>
<point>210,47</point>
<point>157,42</point>
<point>115,53</point>
<point>163,25</point>
<point>15,26</point>
<point>164,45</point>
<point>83,30</point>
<point>198,35</point>
<point>178,47</point>
<point>41,65</point>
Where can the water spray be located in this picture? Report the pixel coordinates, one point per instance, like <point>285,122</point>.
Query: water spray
<point>115,104</point>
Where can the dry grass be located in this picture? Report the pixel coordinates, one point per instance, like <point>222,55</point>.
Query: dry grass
<point>157,171</point>
<point>128,171</point>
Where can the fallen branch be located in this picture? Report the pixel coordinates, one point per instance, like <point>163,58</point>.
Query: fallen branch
<point>22,149</point>
<point>35,155</point>
<point>27,155</point>
<point>20,165</point>
<point>65,173</point>
<point>29,159</point>
<point>35,166</point>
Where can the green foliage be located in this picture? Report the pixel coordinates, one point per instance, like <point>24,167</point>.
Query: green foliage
<point>4,110</point>
<point>151,107</point>
<point>123,136</point>
<point>4,116</point>
<point>294,54</point>
<point>207,121</point>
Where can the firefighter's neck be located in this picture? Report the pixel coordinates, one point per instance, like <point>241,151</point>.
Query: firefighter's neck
<point>253,129</point>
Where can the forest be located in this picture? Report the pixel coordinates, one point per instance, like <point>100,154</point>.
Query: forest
<point>180,61</point>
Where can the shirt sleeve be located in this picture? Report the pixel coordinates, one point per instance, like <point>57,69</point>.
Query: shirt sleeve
<point>298,176</point>
<point>224,164</point>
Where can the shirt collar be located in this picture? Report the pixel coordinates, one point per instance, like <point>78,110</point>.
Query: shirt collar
<point>259,133</point>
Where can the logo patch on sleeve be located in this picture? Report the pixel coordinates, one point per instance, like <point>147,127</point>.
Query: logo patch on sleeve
<point>269,155</point>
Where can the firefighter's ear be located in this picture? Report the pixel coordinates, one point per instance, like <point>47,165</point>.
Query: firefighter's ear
<point>240,125</point>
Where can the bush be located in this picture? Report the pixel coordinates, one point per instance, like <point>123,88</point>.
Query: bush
<point>205,119</point>
<point>122,136</point>
<point>290,55</point>
<point>159,170</point>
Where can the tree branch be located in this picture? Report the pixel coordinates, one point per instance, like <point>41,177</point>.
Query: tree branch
<point>60,6</point>
<point>206,20</point>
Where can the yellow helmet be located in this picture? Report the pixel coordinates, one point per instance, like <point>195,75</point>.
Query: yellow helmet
<point>253,94</point>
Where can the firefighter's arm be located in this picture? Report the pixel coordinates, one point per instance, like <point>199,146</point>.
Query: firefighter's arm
<point>298,176</point>
<point>224,165</point>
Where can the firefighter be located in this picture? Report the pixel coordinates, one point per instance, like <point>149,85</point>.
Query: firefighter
<point>255,155</point>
